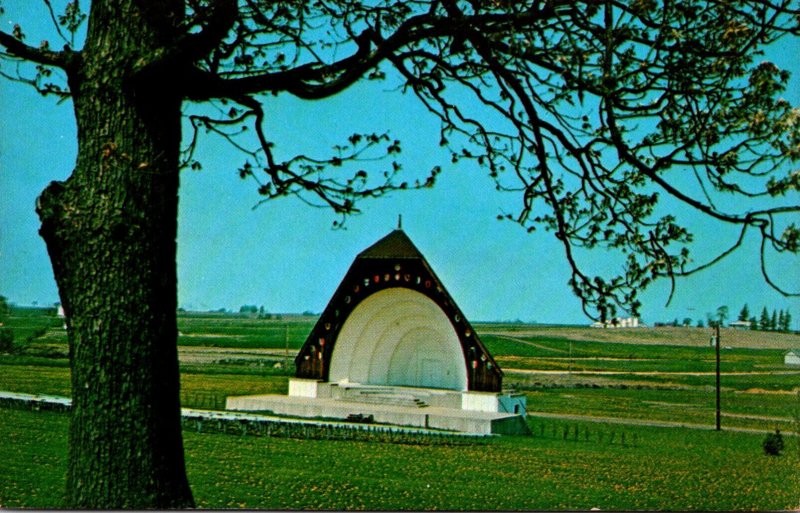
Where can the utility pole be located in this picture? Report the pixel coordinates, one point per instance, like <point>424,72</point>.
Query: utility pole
<point>286,348</point>
<point>569,372</point>
<point>716,347</point>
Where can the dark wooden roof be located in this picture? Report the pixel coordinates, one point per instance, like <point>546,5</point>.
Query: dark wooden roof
<point>395,245</point>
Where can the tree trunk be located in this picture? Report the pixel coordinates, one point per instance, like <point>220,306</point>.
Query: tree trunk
<point>111,232</point>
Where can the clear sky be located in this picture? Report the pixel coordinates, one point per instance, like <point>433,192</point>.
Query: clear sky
<point>285,255</point>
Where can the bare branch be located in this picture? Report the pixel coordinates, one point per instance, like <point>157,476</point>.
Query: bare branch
<point>64,59</point>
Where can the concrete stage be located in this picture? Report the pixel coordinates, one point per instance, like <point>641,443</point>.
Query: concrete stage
<point>467,412</point>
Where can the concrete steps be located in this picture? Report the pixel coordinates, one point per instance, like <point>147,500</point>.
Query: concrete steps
<point>385,399</point>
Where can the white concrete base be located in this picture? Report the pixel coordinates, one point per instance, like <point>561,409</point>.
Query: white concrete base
<point>469,412</point>
<point>304,388</point>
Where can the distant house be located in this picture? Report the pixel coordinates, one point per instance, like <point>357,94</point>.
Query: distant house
<point>619,322</point>
<point>740,325</point>
<point>792,358</point>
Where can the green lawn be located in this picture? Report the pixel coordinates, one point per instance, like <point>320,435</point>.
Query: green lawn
<point>663,469</point>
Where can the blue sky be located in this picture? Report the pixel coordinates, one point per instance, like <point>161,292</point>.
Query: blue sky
<point>286,256</point>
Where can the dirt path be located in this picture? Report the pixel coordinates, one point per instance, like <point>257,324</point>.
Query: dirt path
<point>532,344</point>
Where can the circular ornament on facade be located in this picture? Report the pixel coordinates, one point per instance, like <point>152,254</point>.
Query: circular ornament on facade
<point>397,277</point>
<point>468,333</point>
<point>387,277</point>
<point>347,299</point>
<point>397,267</point>
<point>427,284</point>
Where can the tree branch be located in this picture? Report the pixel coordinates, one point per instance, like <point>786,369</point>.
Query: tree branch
<point>64,59</point>
<point>317,80</point>
<point>216,21</point>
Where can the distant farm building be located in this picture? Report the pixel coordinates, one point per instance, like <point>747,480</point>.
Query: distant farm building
<point>740,325</point>
<point>61,315</point>
<point>792,358</point>
<point>619,322</point>
<point>392,346</point>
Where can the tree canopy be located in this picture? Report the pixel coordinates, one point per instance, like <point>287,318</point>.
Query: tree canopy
<point>597,113</point>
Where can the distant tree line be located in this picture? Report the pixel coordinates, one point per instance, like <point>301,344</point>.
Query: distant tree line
<point>254,311</point>
<point>6,335</point>
<point>779,320</point>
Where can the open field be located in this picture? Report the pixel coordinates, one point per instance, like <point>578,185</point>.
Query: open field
<point>659,374</point>
<point>651,336</point>
<point>571,376</point>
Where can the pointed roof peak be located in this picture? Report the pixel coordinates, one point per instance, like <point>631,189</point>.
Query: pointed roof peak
<point>394,245</point>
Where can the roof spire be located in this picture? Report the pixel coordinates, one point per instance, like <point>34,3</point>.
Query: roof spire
<point>399,221</point>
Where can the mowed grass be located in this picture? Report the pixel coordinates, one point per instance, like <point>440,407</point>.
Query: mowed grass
<point>33,459</point>
<point>666,469</point>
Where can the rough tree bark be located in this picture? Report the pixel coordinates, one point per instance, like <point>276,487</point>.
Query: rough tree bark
<point>111,232</point>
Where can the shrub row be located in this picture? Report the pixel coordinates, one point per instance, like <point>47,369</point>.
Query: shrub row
<point>309,431</point>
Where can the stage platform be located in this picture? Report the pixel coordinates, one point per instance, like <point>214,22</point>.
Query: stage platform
<point>467,412</point>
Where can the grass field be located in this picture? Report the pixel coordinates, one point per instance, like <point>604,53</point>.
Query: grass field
<point>656,469</point>
<point>576,374</point>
